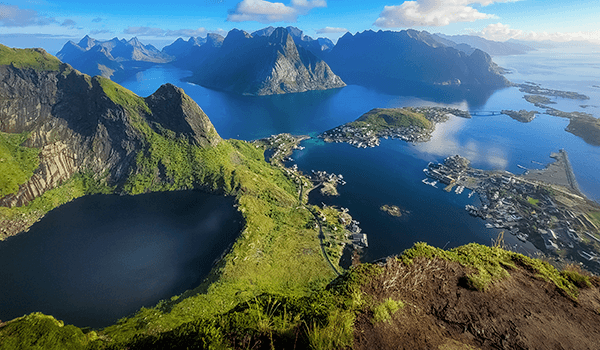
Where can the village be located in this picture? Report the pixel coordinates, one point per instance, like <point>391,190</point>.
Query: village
<point>336,227</point>
<point>551,216</point>
<point>365,135</point>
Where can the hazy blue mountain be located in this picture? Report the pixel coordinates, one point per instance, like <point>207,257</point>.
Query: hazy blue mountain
<point>410,61</point>
<point>115,59</point>
<point>192,53</point>
<point>264,65</point>
<point>494,48</point>
<point>181,47</point>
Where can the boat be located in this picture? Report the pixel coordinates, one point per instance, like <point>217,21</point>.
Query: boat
<point>520,166</point>
<point>522,237</point>
<point>488,225</point>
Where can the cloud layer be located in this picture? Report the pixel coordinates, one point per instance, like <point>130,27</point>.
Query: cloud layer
<point>268,12</point>
<point>433,13</point>
<point>331,30</point>
<point>13,16</point>
<point>159,32</point>
<point>503,32</point>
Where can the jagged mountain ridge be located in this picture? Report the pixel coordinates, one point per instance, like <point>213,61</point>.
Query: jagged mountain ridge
<point>317,46</point>
<point>114,59</point>
<point>265,65</point>
<point>80,124</point>
<point>191,54</point>
<point>413,59</point>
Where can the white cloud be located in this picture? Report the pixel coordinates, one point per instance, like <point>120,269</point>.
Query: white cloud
<point>69,23</point>
<point>444,142</point>
<point>159,32</point>
<point>13,16</point>
<point>331,30</point>
<point>433,13</point>
<point>144,31</point>
<point>503,32</point>
<point>268,12</point>
<point>187,32</point>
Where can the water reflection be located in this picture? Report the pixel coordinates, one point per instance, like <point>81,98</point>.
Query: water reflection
<point>445,142</point>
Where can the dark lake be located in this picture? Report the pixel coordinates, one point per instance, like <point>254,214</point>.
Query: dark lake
<point>103,257</point>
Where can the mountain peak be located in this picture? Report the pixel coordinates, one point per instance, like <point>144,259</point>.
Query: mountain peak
<point>280,36</point>
<point>174,110</point>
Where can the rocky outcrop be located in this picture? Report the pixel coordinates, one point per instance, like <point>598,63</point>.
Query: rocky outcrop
<point>80,128</point>
<point>265,65</point>
<point>72,121</point>
<point>174,110</point>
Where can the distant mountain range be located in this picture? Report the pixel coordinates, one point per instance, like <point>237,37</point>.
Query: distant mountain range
<point>114,59</point>
<point>265,64</point>
<point>494,48</point>
<point>284,60</point>
<point>410,60</point>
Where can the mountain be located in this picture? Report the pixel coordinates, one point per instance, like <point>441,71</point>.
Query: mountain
<point>114,59</point>
<point>180,47</point>
<point>494,48</point>
<point>191,54</point>
<point>317,46</point>
<point>264,65</point>
<point>81,124</point>
<point>273,288</point>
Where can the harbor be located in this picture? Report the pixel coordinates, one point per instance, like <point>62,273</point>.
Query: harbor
<point>544,207</point>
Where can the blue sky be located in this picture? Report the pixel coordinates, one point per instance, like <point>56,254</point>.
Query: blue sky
<point>47,23</point>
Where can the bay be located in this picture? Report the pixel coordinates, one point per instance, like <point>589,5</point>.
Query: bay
<point>392,173</point>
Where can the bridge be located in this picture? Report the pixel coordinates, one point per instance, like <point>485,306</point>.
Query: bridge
<point>486,113</point>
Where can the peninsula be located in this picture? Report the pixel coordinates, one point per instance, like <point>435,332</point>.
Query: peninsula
<point>407,124</point>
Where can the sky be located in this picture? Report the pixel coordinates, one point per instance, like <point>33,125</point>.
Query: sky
<point>50,23</point>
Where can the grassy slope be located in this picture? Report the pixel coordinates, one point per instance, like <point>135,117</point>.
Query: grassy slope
<point>383,118</point>
<point>17,163</point>
<point>28,58</point>
<point>275,253</point>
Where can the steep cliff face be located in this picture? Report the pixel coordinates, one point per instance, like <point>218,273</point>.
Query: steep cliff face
<point>73,122</point>
<point>265,65</point>
<point>92,125</point>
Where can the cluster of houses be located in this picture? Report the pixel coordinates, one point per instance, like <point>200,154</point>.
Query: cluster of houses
<point>365,135</point>
<point>524,208</point>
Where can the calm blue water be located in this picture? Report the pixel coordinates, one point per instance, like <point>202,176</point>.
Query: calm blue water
<point>392,173</point>
<point>100,258</point>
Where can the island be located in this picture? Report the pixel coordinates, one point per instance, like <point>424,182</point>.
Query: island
<point>393,210</point>
<point>583,125</point>
<point>538,100</point>
<point>536,89</point>
<point>523,116</point>
<point>411,124</point>
<point>544,206</point>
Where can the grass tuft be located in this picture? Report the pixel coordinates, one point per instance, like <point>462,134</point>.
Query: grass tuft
<point>384,311</point>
